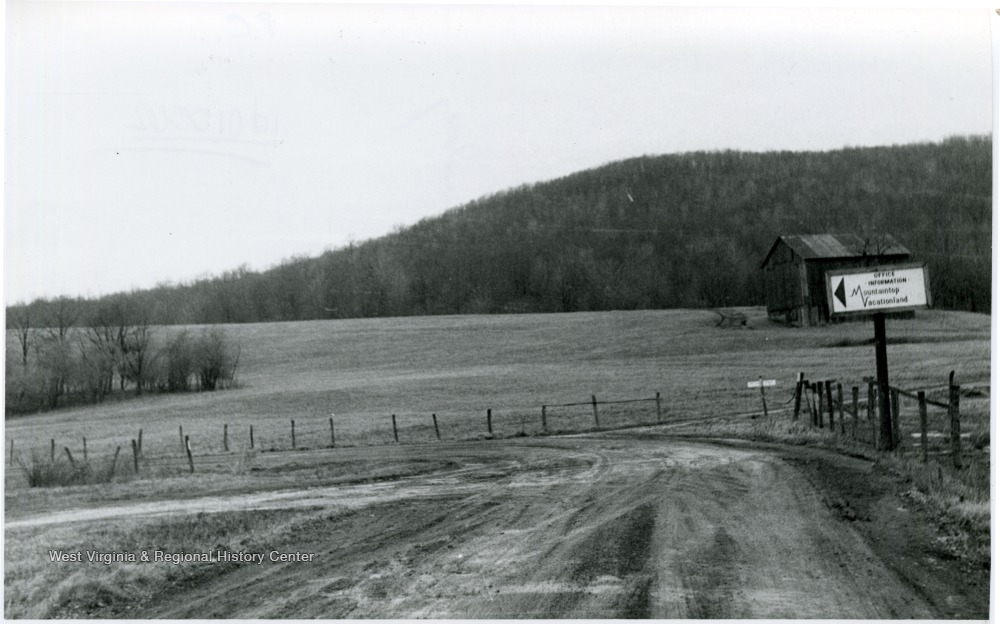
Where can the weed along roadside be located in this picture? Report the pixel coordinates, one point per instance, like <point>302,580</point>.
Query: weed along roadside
<point>385,474</point>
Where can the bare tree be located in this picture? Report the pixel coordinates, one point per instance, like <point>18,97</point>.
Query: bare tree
<point>63,316</point>
<point>56,352</point>
<point>121,341</point>
<point>217,359</point>
<point>105,333</point>
<point>874,239</point>
<point>96,367</point>
<point>20,318</point>
<point>137,351</point>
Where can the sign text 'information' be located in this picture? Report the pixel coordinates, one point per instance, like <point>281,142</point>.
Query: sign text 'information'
<point>901,287</point>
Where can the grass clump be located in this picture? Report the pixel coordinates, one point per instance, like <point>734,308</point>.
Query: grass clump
<point>67,471</point>
<point>37,588</point>
<point>979,438</point>
<point>245,462</point>
<point>960,499</point>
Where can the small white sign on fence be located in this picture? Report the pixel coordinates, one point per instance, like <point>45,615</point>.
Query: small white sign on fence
<point>762,382</point>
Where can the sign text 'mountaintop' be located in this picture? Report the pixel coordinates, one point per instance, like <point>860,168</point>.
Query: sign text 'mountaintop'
<point>875,290</point>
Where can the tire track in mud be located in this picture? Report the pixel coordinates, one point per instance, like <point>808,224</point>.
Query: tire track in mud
<point>622,549</point>
<point>576,527</point>
<point>709,574</point>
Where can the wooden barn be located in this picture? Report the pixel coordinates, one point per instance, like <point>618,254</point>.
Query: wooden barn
<point>795,266</point>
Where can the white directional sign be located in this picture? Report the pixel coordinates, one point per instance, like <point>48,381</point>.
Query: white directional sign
<point>761,383</point>
<point>886,288</point>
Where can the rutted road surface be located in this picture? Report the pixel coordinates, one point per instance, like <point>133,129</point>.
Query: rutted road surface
<point>600,526</point>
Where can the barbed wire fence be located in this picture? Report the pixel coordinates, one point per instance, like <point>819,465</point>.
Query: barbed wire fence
<point>925,421</point>
<point>928,422</point>
<point>217,445</point>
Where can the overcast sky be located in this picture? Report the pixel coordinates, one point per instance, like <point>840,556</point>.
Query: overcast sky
<point>154,142</point>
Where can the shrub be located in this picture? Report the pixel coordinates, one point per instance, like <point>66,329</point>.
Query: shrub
<point>179,356</point>
<point>62,471</point>
<point>216,359</point>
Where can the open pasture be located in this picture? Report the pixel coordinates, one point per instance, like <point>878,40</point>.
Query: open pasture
<point>363,371</point>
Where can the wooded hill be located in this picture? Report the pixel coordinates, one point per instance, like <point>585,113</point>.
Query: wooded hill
<point>684,230</point>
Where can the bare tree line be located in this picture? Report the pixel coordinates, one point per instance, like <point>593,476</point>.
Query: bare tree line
<point>65,354</point>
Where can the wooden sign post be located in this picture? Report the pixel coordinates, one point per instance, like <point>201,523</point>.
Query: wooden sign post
<point>882,379</point>
<point>875,291</point>
<point>762,383</point>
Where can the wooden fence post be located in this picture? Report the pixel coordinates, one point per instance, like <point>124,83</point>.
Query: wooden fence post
<point>954,392</point>
<point>804,401</point>
<point>70,456</point>
<point>395,432</point>
<point>52,451</point>
<point>333,439</point>
<point>187,447</point>
<point>871,412</point>
<point>437,431</point>
<point>545,426</point>
<point>854,412</point>
<point>829,403</point>
<point>805,396</point>
<point>293,434</point>
<point>922,399</point>
<point>225,437</point>
<point>489,421</point>
<point>811,386</point>
<point>180,430</point>
<point>763,400</point>
<point>114,460</point>
<point>140,442</point>
<point>10,460</point>
<point>840,406</point>
<point>798,396</point>
<point>251,436</point>
<point>84,447</point>
<point>658,413</point>
<point>819,401</point>
<point>135,456</point>
<point>593,401</point>
<point>894,408</point>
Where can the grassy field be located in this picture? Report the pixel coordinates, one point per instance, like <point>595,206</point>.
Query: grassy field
<point>457,367</point>
<point>363,371</point>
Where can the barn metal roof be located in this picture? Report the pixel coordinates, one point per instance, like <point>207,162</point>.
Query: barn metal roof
<point>820,246</point>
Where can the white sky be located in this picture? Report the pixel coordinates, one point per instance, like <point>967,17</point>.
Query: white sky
<point>148,142</point>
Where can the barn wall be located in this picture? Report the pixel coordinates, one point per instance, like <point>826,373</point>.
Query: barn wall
<point>795,290</point>
<point>783,293</point>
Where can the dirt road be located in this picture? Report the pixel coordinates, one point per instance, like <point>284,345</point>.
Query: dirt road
<point>598,526</point>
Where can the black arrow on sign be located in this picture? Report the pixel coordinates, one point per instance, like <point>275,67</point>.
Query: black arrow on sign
<point>839,293</point>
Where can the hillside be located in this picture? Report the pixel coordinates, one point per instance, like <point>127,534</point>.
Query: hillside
<point>684,230</point>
